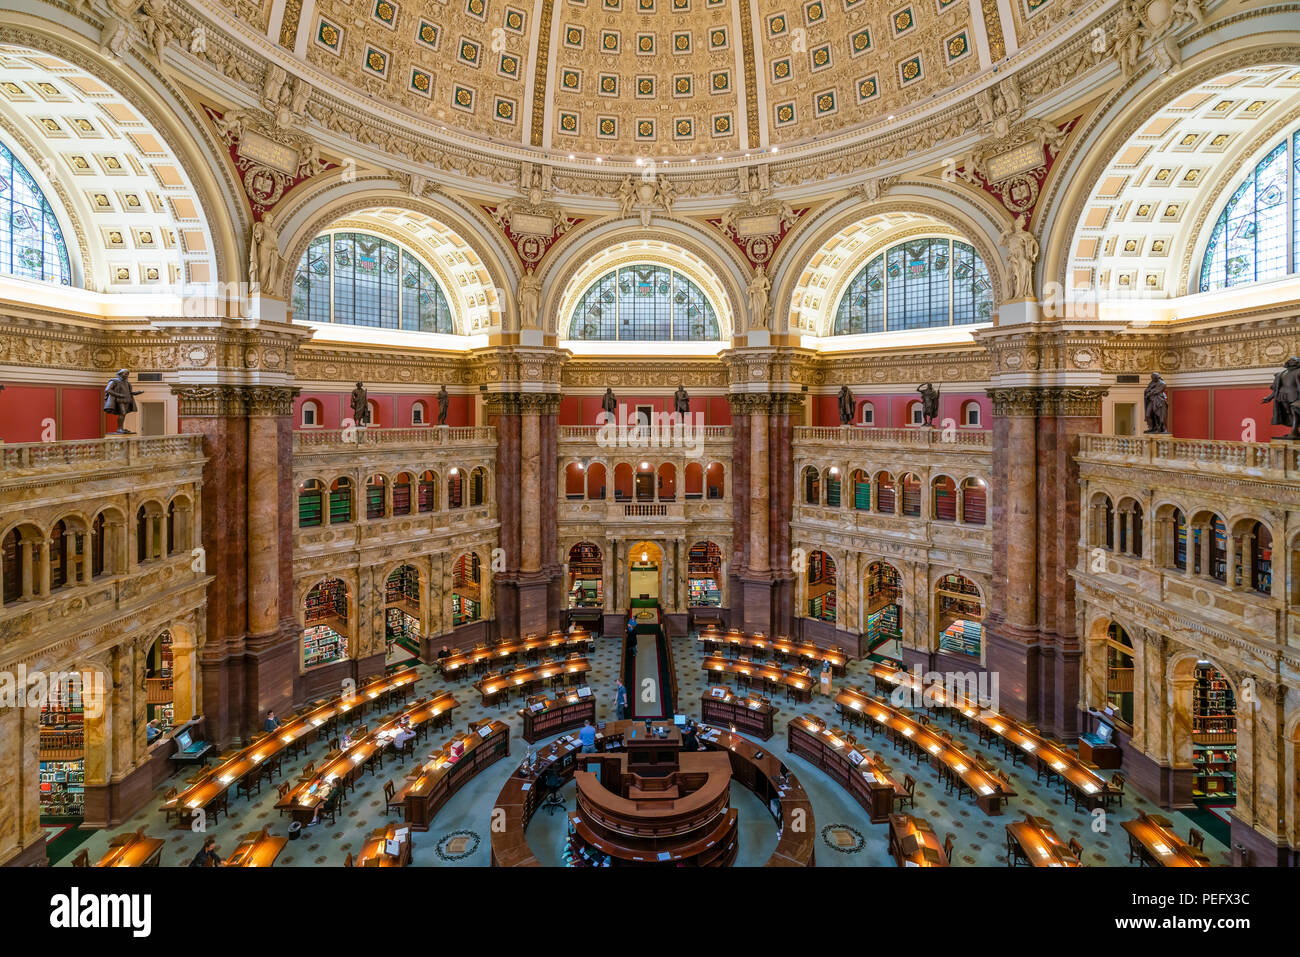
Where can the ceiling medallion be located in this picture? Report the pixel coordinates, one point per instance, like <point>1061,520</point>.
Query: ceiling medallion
<point>759,223</point>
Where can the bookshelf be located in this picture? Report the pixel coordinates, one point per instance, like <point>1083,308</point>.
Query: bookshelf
<point>945,504</point>
<point>963,637</point>
<point>862,495</point>
<point>321,645</point>
<point>911,497</point>
<point>374,500</point>
<point>328,600</point>
<point>62,774</point>
<point>158,684</point>
<point>548,717</point>
<point>833,491</point>
<point>751,716</point>
<point>309,509</point>
<point>403,585</point>
<point>586,569</point>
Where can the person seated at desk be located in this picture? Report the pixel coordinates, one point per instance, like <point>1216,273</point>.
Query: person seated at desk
<point>444,652</point>
<point>587,735</point>
<point>272,723</point>
<point>152,731</point>
<point>689,740</point>
<point>404,733</point>
<point>207,855</point>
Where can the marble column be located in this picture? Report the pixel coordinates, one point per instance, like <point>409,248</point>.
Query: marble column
<point>22,841</point>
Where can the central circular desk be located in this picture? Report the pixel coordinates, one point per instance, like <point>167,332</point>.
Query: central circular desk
<point>692,831</point>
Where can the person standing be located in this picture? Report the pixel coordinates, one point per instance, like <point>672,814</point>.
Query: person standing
<point>620,700</point>
<point>587,735</point>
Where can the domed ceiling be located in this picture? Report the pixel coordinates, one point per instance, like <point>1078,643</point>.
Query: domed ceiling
<point>659,78</point>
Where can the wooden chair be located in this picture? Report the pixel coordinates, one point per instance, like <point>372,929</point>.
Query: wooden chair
<point>948,843</point>
<point>1015,853</point>
<point>1116,791</point>
<point>404,750</point>
<point>909,796</point>
<point>307,770</point>
<point>389,804</point>
<point>1076,849</point>
<point>217,807</point>
<point>174,809</point>
<point>250,782</point>
<point>330,808</point>
<point>82,859</point>
<point>1196,838</point>
<point>347,861</point>
<point>283,788</point>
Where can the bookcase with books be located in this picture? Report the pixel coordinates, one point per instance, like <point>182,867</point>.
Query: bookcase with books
<point>62,752</point>
<point>158,683</point>
<point>403,586</point>
<point>1214,735</point>
<point>963,637</point>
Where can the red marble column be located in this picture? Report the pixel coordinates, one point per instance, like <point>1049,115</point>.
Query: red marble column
<point>1030,637</point>
<point>218,414</point>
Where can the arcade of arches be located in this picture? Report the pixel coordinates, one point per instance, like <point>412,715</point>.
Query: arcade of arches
<point>398,392</point>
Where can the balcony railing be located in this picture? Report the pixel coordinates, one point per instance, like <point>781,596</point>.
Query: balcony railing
<point>110,452</point>
<point>918,437</point>
<point>648,433</point>
<point>434,436</point>
<point>1262,459</point>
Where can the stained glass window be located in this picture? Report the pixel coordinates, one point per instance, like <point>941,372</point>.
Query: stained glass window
<point>365,280</point>
<point>644,303</point>
<point>31,242</point>
<point>1255,237</point>
<point>918,284</point>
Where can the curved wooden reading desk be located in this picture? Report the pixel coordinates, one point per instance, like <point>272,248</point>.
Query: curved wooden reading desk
<point>527,790</point>
<point>682,817</point>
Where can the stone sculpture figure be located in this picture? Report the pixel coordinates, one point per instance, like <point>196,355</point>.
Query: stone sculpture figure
<point>929,403</point>
<point>360,408</point>
<point>1022,253</point>
<point>263,255</point>
<point>1285,396</point>
<point>758,290</point>
<point>444,400</point>
<point>626,196</point>
<point>1156,405</point>
<point>119,400</point>
<point>846,405</point>
<point>682,402</point>
<point>530,300</point>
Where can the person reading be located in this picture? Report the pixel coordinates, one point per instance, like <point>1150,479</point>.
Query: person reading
<point>272,723</point>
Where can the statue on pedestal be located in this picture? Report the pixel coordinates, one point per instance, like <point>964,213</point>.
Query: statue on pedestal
<point>1285,396</point>
<point>846,405</point>
<point>119,400</point>
<point>609,403</point>
<point>682,402</point>
<point>929,403</point>
<point>360,408</point>
<point>758,289</point>
<point>444,400</point>
<point>1155,402</point>
<point>529,296</point>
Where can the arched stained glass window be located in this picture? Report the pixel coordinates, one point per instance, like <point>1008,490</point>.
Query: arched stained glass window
<point>31,242</point>
<point>917,284</point>
<point>644,303</point>
<point>365,280</point>
<point>1255,236</point>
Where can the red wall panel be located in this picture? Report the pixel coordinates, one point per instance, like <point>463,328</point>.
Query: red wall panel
<point>1189,413</point>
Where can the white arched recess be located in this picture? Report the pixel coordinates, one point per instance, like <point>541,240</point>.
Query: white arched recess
<point>813,273</point>
<point>1240,60</point>
<point>147,141</point>
<point>464,254</point>
<point>592,252</point>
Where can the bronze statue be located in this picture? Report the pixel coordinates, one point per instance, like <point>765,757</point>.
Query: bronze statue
<point>1285,396</point>
<point>682,402</point>
<point>846,405</point>
<point>609,403</point>
<point>360,408</point>
<point>1156,405</point>
<point>119,400</point>
<point>929,403</point>
<point>444,400</point>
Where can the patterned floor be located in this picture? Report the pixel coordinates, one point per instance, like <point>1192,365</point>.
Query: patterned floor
<point>460,833</point>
